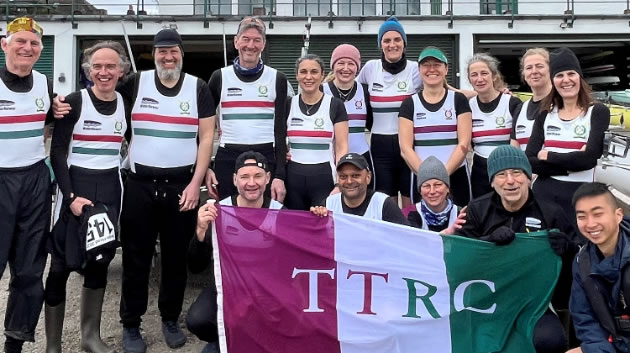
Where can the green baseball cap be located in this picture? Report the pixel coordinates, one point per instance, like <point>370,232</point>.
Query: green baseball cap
<point>432,52</point>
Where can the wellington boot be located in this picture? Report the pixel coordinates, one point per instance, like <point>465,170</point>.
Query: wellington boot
<point>53,319</point>
<point>91,309</point>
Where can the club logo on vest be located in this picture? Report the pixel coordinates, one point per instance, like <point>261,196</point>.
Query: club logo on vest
<point>150,103</point>
<point>448,114</point>
<point>118,127</point>
<point>262,91</point>
<point>297,122</point>
<point>377,87</point>
<point>500,121</point>
<point>319,124</point>
<point>7,105</point>
<point>533,222</point>
<point>553,130</point>
<point>234,91</point>
<point>421,115</point>
<point>478,122</point>
<point>39,103</point>
<point>580,131</point>
<point>184,107</point>
<point>91,125</point>
<point>402,86</point>
<point>358,104</point>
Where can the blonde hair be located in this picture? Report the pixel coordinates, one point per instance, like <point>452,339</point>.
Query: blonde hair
<point>493,64</point>
<point>533,51</point>
<point>330,77</point>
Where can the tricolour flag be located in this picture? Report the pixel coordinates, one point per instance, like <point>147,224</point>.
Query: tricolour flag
<point>292,282</point>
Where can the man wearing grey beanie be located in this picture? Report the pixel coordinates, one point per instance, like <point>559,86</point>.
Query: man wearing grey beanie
<point>512,208</point>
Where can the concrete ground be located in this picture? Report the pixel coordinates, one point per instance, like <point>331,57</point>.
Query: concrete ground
<point>111,329</point>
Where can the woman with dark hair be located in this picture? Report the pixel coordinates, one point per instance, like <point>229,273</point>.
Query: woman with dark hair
<point>492,114</point>
<point>390,79</point>
<point>317,130</point>
<point>568,136</point>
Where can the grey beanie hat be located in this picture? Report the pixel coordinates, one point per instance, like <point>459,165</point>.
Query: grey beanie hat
<point>432,168</point>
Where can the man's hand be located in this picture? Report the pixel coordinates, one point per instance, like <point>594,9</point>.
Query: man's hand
<point>320,211</point>
<point>542,154</point>
<point>501,236</point>
<point>560,242</point>
<point>457,224</point>
<point>278,191</point>
<point>60,108</point>
<point>77,205</point>
<point>206,215</point>
<point>211,184</point>
<point>189,198</point>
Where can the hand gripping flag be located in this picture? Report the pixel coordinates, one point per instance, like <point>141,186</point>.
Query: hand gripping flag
<point>290,282</point>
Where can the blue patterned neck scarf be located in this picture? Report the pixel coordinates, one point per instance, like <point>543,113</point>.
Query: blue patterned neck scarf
<point>436,219</point>
<point>247,72</point>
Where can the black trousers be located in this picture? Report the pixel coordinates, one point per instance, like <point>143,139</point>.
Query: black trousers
<point>225,160</point>
<point>95,185</point>
<point>151,208</point>
<point>25,206</point>
<point>307,185</point>
<point>548,189</point>
<point>549,336</point>
<point>390,170</point>
<point>479,177</point>
<point>201,319</point>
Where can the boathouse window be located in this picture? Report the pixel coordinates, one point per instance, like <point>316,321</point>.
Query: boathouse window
<point>357,7</point>
<point>401,7</point>
<point>220,7</point>
<point>499,7</point>
<point>312,7</point>
<point>255,7</point>
<point>436,7</point>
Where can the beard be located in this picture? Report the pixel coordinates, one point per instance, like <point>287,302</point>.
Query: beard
<point>168,74</point>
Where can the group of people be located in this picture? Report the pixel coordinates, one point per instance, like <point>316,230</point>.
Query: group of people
<point>306,152</point>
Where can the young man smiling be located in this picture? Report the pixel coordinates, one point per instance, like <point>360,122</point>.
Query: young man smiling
<point>600,280</point>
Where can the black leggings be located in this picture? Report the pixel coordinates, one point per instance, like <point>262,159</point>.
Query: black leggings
<point>95,277</point>
<point>201,319</point>
<point>391,173</point>
<point>479,177</point>
<point>308,185</point>
<point>549,336</point>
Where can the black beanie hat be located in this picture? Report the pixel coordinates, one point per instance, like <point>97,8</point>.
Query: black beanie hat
<point>563,59</point>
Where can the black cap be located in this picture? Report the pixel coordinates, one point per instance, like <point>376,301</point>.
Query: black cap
<point>563,59</point>
<point>261,161</point>
<point>167,38</point>
<point>355,159</point>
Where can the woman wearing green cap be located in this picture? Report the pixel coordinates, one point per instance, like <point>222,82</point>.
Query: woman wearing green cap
<point>437,122</point>
<point>390,81</point>
<point>492,114</point>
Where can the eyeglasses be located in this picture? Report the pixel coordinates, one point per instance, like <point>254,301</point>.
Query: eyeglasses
<point>515,173</point>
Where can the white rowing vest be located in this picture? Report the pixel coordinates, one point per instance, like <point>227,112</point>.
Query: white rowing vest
<point>451,217</point>
<point>22,120</point>
<point>96,138</point>
<point>490,129</point>
<point>435,133</point>
<point>523,126</point>
<point>387,92</point>
<point>274,205</point>
<point>373,211</point>
<point>568,136</point>
<point>164,129</point>
<point>247,108</point>
<point>311,137</point>
<point>356,108</point>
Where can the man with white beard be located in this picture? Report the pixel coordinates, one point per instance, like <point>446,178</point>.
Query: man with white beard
<point>170,111</point>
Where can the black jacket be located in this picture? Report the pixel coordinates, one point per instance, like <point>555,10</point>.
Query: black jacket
<point>486,213</point>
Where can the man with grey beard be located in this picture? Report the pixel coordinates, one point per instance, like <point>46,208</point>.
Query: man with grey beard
<point>171,110</point>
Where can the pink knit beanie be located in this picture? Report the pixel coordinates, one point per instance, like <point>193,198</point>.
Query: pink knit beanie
<point>348,51</point>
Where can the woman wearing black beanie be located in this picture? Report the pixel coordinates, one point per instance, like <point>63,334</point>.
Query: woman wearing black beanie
<point>568,136</point>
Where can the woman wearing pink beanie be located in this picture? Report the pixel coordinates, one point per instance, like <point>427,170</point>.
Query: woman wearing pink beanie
<point>345,63</point>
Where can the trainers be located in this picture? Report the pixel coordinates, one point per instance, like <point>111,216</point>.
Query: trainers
<point>133,341</point>
<point>173,335</point>
<point>210,348</point>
